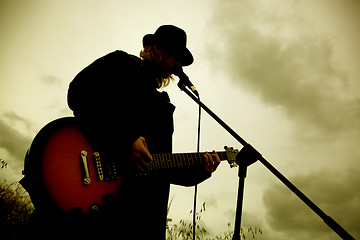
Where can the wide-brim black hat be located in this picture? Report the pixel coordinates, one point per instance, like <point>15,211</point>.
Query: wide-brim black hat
<point>173,40</point>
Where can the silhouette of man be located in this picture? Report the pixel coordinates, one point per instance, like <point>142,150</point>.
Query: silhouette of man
<point>122,113</point>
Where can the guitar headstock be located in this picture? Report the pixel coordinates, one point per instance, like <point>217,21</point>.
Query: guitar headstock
<point>231,154</point>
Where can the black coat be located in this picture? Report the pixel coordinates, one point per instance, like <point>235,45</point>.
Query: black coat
<point>116,101</point>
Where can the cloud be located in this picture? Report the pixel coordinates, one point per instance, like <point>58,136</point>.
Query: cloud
<point>14,142</point>
<point>278,53</point>
<point>333,191</point>
<point>18,120</point>
<point>282,53</point>
<point>52,80</point>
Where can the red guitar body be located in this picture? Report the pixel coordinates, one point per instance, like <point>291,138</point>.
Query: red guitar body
<point>56,170</point>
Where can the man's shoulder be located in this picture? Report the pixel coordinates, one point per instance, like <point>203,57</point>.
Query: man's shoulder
<point>115,61</point>
<point>120,55</point>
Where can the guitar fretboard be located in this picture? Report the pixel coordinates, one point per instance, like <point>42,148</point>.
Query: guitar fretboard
<point>179,160</point>
<point>111,169</point>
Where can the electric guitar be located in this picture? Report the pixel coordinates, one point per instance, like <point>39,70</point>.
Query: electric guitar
<point>62,168</point>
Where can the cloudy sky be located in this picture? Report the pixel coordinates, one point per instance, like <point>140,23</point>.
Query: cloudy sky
<point>283,74</point>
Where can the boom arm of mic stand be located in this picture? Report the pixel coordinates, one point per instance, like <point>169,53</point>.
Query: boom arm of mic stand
<point>212,114</point>
<point>327,219</point>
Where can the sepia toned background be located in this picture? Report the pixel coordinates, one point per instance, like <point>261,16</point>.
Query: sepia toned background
<point>283,74</point>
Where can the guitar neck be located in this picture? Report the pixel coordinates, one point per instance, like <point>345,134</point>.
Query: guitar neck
<point>111,170</point>
<point>179,160</point>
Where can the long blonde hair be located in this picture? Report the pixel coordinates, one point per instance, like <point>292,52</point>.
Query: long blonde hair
<point>153,54</point>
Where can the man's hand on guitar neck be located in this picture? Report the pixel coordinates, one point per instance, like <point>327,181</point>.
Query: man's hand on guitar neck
<point>139,154</point>
<point>140,157</point>
<point>212,161</point>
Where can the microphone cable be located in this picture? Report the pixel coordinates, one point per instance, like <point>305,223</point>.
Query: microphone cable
<point>196,186</point>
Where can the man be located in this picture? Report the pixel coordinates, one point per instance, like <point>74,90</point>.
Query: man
<point>120,110</point>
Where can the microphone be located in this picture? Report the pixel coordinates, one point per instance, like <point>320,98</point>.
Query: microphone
<point>184,80</point>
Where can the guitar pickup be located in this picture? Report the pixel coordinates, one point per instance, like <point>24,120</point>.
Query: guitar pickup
<point>85,166</point>
<point>98,166</point>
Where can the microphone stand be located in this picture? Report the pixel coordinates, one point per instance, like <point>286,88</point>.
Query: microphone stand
<point>249,155</point>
